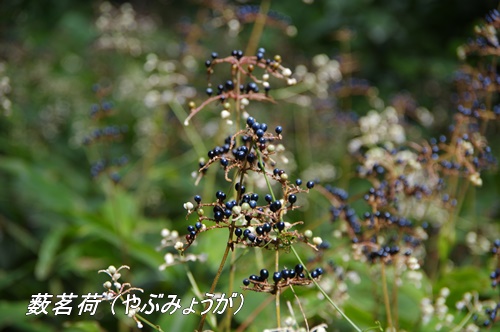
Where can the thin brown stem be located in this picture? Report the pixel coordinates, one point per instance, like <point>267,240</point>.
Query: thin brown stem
<point>232,270</point>
<point>300,307</point>
<point>254,314</point>
<point>216,279</point>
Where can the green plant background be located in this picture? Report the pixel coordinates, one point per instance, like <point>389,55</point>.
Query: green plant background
<point>58,226</point>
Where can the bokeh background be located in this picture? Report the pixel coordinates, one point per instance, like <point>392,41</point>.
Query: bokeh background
<point>64,214</point>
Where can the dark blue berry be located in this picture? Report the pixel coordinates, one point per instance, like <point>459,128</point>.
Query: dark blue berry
<point>197,199</point>
<point>240,155</point>
<point>275,206</point>
<point>208,63</point>
<point>276,276</point>
<point>299,268</point>
<point>266,227</point>
<point>220,195</point>
<point>278,130</point>
<point>230,204</point>
<point>252,86</point>
<point>310,184</point>
<point>254,277</point>
<point>314,274</point>
<point>190,228</point>
<point>245,198</point>
<point>250,121</point>
<point>214,55</point>
<point>239,188</point>
<point>298,182</point>
<point>259,230</point>
<point>246,282</point>
<point>292,198</point>
<point>209,91</point>
<point>198,225</point>
<point>238,232</point>
<point>229,85</point>
<point>218,216</point>
<point>280,225</point>
<point>251,157</point>
<point>268,198</point>
<point>264,274</point>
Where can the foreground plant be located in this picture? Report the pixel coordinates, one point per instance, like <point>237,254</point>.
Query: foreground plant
<point>253,218</point>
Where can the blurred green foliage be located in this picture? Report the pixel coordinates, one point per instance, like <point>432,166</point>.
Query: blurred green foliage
<point>58,225</point>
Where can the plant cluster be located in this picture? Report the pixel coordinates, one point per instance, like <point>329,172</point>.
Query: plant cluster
<point>284,181</point>
<point>244,156</point>
<point>416,187</point>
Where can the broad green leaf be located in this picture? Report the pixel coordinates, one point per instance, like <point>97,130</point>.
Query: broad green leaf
<point>48,253</point>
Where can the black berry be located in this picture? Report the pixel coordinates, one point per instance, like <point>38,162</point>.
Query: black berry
<point>275,206</point>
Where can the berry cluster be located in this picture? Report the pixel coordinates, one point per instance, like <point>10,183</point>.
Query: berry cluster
<point>101,110</point>
<point>491,316</point>
<point>281,279</point>
<point>108,133</point>
<point>486,41</point>
<point>253,222</point>
<point>262,224</point>
<point>100,166</point>
<point>255,141</point>
<point>495,277</point>
<point>383,233</point>
<point>496,247</point>
<point>104,135</point>
<point>236,88</point>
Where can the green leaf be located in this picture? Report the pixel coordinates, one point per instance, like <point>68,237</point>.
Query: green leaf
<point>48,253</point>
<point>83,326</point>
<point>13,316</point>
